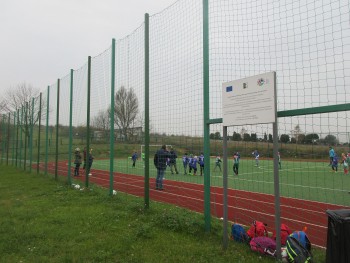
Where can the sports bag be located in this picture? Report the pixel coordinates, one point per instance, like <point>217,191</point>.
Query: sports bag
<point>257,229</point>
<point>263,245</point>
<point>297,253</point>
<point>239,234</point>
<point>285,232</point>
<point>302,238</point>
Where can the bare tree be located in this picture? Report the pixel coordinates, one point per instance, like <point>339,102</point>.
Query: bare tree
<point>2,107</point>
<point>125,110</point>
<point>20,98</point>
<point>102,122</point>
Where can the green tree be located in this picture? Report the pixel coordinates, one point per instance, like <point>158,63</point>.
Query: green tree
<point>246,137</point>
<point>284,138</point>
<point>270,138</point>
<point>330,140</point>
<point>217,136</point>
<point>236,137</point>
<point>253,137</point>
<point>265,137</point>
<point>311,138</point>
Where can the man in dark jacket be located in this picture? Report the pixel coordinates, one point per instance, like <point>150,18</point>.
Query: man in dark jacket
<point>173,157</point>
<point>160,159</point>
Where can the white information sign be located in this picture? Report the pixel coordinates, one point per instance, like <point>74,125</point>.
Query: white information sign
<point>250,100</point>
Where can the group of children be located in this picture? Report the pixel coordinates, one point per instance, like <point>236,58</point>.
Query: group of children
<point>191,162</point>
<point>344,160</point>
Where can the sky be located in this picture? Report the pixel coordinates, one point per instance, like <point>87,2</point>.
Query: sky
<point>42,40</point>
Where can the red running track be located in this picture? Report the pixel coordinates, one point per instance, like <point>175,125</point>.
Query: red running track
<point>243,206</point>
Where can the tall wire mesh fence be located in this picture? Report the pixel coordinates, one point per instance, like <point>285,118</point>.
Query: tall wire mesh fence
<point>306,43</point>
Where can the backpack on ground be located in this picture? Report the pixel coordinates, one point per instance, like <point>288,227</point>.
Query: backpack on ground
<point>285,232</point>
<point>263,245</point>
<point>257,229</point>
<point>239,234</point>
<point>302,239</point>
<point>297,253</point>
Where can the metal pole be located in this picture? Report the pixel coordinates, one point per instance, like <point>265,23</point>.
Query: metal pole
<point>276,180</point>
<point>20,142</point>
<point>207,213</point>
<point>13,141</point>
<point>47,129</point>
<point>8,139</point>
<point>3,135</point>
<point>39,133</point>
<point>87,170</point>
<point>31,137</point>
<point>17,131</point>
<point>146,110</point>
<point>69,178</point>
<point>57,125</point>
<point>224,184</point>
<point>111,134</point>
<point>25,135</point>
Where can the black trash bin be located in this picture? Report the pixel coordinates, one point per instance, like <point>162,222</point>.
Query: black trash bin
<point>338,236</point>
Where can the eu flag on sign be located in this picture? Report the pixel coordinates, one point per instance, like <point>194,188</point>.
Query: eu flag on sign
<point>229,88</point>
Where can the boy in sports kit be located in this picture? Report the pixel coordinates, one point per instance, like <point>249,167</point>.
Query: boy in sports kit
<point>335,163</point>
<point>194,165</point>
<point>185,163</point>
<point>190,160</point>
<point>256,156</point>
<point>134,157</point>
<point>236,158</point>
<point>201,163</point>
<point>217,163</point>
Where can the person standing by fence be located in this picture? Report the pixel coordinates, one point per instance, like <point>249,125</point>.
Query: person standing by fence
<point>172,161</point>
<point>90,160</point>
<point>77,161</point>
<point>160,159</point>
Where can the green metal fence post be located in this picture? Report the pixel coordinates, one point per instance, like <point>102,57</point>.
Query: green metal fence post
<point>21,138</point>
<point>47,129</point>
<point>14,139</point>
<point>17,134</point>
<point>31,137</point>
<point>8,139</point>
<point>146,110</point>
<point>57,126</point>
<point>111,143</point>
<point>207,214</point>
<point>3,138</point>
<point>70,128</point>
<point>87,170</point>
<point>39,133</point>
<point>25,135</point>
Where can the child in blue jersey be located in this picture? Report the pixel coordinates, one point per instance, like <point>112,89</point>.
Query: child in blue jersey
<point>335,163</point>
<point>194,164</point>
<point>134,157</point>
<point>256,157</point>
<point>185,163</point>
<point>190,160</point>
<point>201,163</point>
